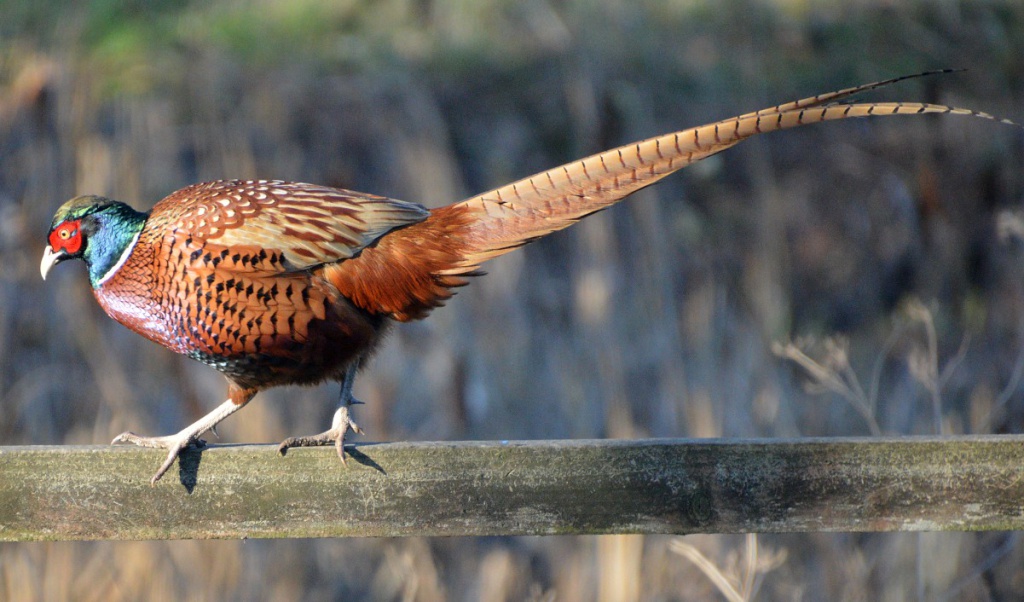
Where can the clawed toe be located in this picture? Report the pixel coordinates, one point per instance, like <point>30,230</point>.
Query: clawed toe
<point>130,437</point>
<point>178,441</point>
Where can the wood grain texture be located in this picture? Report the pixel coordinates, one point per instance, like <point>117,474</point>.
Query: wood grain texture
<point>517,488</point>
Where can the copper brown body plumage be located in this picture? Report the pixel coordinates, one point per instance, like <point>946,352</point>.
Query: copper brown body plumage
<point>234,274</point>
<point>276,283</point>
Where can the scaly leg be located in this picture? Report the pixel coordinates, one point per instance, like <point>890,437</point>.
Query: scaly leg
<point>340,424</point>
<point>175,444</point>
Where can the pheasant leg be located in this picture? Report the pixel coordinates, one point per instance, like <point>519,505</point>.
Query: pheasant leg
<point>189,436</point>
<point>340,424</point>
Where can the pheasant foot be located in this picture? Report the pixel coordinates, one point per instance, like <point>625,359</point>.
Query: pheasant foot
<point>187,437</point>
<point>341,424</point>
<point>174,444</point>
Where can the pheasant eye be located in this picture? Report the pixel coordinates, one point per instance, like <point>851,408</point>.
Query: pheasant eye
<point>66,237</point>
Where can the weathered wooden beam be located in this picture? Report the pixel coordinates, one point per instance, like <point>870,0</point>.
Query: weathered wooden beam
<point>517,488</point>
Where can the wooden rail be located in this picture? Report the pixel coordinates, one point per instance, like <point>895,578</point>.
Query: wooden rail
<point>516,488</point>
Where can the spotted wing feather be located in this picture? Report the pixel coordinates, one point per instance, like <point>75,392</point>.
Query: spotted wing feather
<point>308,225</point>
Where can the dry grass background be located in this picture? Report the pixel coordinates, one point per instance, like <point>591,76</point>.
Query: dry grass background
<point>879,255</point>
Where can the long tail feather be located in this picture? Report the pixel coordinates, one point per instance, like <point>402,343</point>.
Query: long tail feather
<point>838,95</point>
<point>409,271</point>
<point>512,215</point>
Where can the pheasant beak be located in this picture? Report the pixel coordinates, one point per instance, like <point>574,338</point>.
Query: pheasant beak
<point>50,259</point>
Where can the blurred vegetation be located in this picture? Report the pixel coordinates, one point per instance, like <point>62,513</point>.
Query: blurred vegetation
<point>882,256</point>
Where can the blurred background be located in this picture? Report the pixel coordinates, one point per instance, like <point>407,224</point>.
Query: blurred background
<point>850,278</point>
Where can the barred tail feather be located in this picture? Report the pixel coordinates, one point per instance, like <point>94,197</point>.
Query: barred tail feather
<point>508,217</point>
<point>411,270</point>
<point>838,95</point>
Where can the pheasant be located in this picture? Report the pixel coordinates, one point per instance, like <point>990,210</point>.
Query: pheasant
<point>275,283</point>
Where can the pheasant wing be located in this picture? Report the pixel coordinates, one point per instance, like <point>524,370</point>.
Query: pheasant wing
<point>301,224</point>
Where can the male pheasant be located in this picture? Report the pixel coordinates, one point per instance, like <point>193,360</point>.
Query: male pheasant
<point>275,283</point>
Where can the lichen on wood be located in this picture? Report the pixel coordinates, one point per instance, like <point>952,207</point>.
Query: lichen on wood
<point>516,488</point>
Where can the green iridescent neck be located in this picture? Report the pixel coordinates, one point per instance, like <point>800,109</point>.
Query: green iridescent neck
<point>113,232</point>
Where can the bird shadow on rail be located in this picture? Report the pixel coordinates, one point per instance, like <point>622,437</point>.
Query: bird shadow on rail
<point>190,459</point>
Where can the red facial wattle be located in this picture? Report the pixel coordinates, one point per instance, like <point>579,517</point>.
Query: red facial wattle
<point>67,237</point>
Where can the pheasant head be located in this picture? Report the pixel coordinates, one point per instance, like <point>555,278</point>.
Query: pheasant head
<point>99,230</point>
